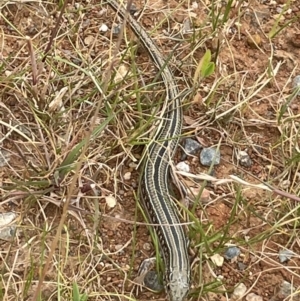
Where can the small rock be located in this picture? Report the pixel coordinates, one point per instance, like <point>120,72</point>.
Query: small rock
<point>191,146</point>
<point>186,26</point>
<point>89,40</point>
<point>254,41</point>
<point>7,230</point>
<point>205,196</point>
<point>132,165</point>
<point>244,159</point>
<point>116,30</point>
<point>262,14</point>
<point>118,247</point>
<point>220,277</point>
<point>8,233</point>
<point>182,166</point>
<point>4,157</point>
<point>6,218</point>
<point>103,28</point>
<point>146,246</point>
<point>151,281</point>
<point>239,291</point>
<point>217,259</point>
<point>286,289</point>
<point>127,175</point>
<point>194,193</point>
<point>194,5</point>
<point>285,255</point>
<point>179,18</point>
<point>254,297</point>
<point>296,84</point>
<point>278,17</point>
<point>241,266</point>
<point>210,155</point>
<point>121,73</point>
<point>8,73</point>
<point>232,252</point>
<point>295,40</point>
<point>285,184</point>
<point>110,201</point>
<point>133,9</point>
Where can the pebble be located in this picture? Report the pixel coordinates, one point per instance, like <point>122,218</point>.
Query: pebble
<point>118,247</point>
<point>6,218</point>
<point>110,201</point>
<point>4,157</point>
<point>285,255</point>
<point>239,291</point>
<point>194,193</point>
<point>182,166</point>
<point>116,30</point>
<point>205,196</point>
<point>7,230</point>
<point>244,159</point>
<point>151,281</point>
<point>241,266</point>
<point>232,252</point>
<point>254,297</point>
<point>194,5</point>
<point>89,40</point>
<point>146,246</point>
<point>191,146</point>
<point>127,175</point>
<point>217,259</point>
<point>210,155</point>
<point>132,165</point>
<point>254,41</point>
<point>133,9</point>
<point>295,40</point>
<point>286,289</point>
<point>121,73</point>
<point>7,233</point>
<point>103,28</point>
<point>186,26</point>
<point>296,84</point>
<point>8,73</point>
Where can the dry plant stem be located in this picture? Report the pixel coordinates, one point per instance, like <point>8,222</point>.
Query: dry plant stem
<point>54,31</point>
<point>33,61</point>
<point>81,158</point>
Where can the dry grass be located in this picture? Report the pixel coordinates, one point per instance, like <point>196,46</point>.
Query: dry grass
<point>73,125</point>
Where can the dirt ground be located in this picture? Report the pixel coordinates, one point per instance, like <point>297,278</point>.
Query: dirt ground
<point>244,106</point>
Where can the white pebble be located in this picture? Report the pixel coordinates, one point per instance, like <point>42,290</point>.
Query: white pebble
<point>146,246</point>
<point>132,165</point>
<point>239,291</point>
<point>253,297</point>
<point>103,28</point>
<point>182,166</point>
<point>110,201</point>
<point>195,5</point>
<point>217,259</point>
<point>127,175</point>
<point>118,247</point>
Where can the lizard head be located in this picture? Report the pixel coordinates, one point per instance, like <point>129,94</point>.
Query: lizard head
<point>177,285</point>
